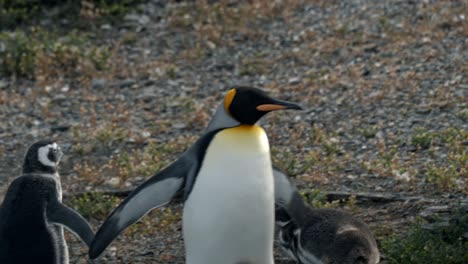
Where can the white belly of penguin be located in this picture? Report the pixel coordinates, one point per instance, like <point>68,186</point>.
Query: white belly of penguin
<point>229,215</point>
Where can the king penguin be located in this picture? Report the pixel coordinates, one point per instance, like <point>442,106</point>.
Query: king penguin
<point>319,236</point>
<point>227,181</point>
<point>32,213</point>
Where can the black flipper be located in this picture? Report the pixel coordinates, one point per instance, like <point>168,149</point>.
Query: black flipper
<point>57,213</point>
<point>156,192</point>
<point>289,205</point>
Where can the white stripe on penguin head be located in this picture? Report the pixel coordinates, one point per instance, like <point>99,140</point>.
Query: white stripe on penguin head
<point>44,153</point>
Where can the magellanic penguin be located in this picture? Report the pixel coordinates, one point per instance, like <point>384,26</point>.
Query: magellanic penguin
<point>319,236</point>
<point>32,213</point>
<point>227,181</point>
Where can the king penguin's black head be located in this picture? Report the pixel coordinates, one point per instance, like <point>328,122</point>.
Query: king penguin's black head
<point>42,157</point>
<point>247,105</point>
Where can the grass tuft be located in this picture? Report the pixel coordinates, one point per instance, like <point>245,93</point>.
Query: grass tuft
<point>94,205</point>
<point>421,138</point>
<point>443,244</point>
<point>48,56</point>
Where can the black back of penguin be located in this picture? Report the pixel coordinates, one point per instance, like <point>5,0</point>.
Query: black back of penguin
<point>25,236</point>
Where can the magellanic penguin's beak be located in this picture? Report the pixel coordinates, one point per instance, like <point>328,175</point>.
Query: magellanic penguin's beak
<point>278,105</point>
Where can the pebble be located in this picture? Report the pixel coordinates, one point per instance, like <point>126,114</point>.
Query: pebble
<point>179,125</point>
<point>98,83</point>
<point>65,88</point>
<point>294,80</point>
<point>127,83</point>
<point>106,27</point>
<point>141,19</point>
<point>113,182</point>
<point>3,84</point>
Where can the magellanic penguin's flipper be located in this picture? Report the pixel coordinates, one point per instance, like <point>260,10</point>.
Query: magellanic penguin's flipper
<point>157,191</point>
<point>57,213</point>
<point>289,205</point>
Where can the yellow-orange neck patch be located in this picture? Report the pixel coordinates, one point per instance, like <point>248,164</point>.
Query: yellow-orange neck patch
<point>228,99</point>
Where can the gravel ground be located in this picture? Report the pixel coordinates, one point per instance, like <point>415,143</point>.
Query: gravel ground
<point>374,77</point>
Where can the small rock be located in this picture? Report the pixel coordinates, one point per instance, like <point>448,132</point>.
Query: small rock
<point>294,80</point>
<point>211,45</point>
<point>65,88</point>
<point>98,83</point>
<point>379,135</point>
<point>423,110</point>
<point>401,176</point>
<point>3,84</point>
<point>426,40</point>
<point>371,48</point>
<point>114,182</point>
<point>179,125</point>
<point>127,83</point>
<point>138,178</point>
<point>140,19</point>
<point>106,27</point>
<point>145,134</point>
<point>433,210</point>
<point>112,251</point>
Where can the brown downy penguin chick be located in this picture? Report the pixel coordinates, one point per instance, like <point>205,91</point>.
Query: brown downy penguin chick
<point>320,236</point>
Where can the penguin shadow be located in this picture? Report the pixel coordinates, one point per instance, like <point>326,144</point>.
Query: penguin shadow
<point>319,236</point>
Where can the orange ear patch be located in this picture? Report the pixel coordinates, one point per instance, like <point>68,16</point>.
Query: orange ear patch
<point>228,99</point>
<point>270,107</point>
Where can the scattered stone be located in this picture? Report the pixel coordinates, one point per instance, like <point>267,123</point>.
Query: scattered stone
<point>3,84</point>
<point>141,19</point>
<point>65,88</point>
<point>98,83</point>
<point>106,27</point>
<point>127,83</point>
<point>179,125</point>
<point>113,182</point>
<point>294,80</point>
<point>145,134</point>
<point>405,176</point>
<point>434,210</point>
